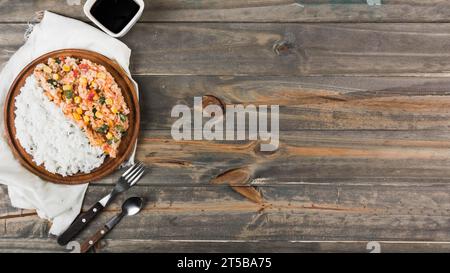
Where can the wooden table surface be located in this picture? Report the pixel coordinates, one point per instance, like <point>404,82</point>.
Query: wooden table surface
<point>364,95</point>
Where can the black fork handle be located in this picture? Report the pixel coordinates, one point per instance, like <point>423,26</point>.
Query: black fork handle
<point>80,223</point>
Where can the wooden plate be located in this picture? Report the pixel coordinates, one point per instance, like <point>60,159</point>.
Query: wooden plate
<point>110,164</point>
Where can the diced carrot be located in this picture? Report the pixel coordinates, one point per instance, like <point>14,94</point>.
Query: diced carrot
<point>83,66</point>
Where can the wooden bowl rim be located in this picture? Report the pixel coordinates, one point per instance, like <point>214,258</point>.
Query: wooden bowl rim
<point>97,173</point>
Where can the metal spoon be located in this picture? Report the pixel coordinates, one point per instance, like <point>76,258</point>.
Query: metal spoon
<point>130,207</point>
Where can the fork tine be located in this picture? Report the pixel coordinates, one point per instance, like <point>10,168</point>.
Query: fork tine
<point>144,171</point>
<point>131,176</point>
<point>133,173</point>
<point>131,170</point>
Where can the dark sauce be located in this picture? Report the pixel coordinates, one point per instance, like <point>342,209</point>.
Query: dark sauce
<point>114,14</point>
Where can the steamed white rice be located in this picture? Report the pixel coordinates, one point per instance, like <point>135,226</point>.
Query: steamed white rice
<point>49,137</point>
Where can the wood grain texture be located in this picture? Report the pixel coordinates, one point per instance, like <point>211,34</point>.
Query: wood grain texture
<point>304,49</point>
<point>251,11</point>
<point>310,103</point>
<point>290,213</point>
<point>364,149</point>
<point>268,246</point>
<point>220,246</point>
<point>331,178</point>
<point>278,49</point>
<point>389,157</point>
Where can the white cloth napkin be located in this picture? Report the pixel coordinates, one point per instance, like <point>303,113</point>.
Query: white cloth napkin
<point>58,203</point>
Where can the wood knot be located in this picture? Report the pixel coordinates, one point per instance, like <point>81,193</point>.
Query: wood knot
<point>212,100</point>
<point>238,176</point>
<point>238,180</point>
<point>282,48</point>
<point>172,163</point>
<point>249,192</point>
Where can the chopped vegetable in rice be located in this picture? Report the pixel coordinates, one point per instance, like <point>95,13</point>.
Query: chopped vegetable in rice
<point>88,95</point>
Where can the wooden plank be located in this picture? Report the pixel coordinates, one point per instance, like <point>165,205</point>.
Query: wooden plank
<point>371,157</point>
<point>193,246</point>
<point>18,245</point>
<point>290,49</point>
<point>290,213</point>
<point>279,49</point>
<point>268,246</point>
<point>251,11</point>
<point>343,103</point>
<point>304,157</point>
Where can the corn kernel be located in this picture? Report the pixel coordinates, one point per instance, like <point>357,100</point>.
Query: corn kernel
<point>76,116</point>
<point>101,75</point>
<point>109,101</point>
<point>66,68</point>
<point>77,99</point>
<point>55,77</point>
<point>79,110</point>
<point>98,114</point>
<point>67,87</point>
<point>86,120</point>
<point>83,81</point>
<point>109,135</point>
<point>114,110</point>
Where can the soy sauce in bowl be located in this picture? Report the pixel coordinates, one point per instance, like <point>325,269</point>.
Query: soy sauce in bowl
<point>114,14</point>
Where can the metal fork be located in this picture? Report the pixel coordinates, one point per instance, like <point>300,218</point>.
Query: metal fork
<point>127,180</point>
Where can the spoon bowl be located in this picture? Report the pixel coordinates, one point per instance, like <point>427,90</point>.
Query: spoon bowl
<point>132,205</point>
